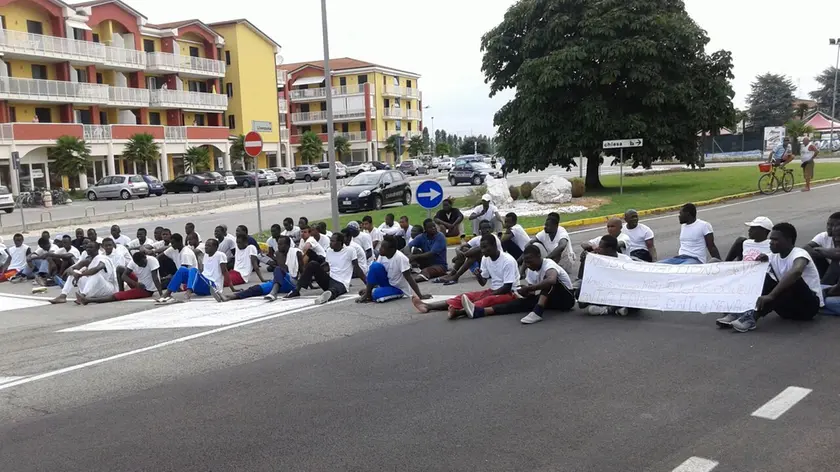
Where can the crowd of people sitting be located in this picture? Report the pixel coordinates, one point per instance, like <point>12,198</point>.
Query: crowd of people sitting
<point>518,273</point>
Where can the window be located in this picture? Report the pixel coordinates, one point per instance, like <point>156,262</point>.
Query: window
<point>193,51</point>
<point>342,81</point>
<point>408,84</point>
<point>103,118</point>
<point>44,115</point>
<point>387,103</point>
<point>408,105</point>
<point>39,72</point>
<point>148,45</point>
<point>34,27</point>
<point>362,79</point>
<point>199,120</point>
<point>324,129</point>
<point>409,126</point>
<point>99,78</point>
<point>82,75</point>
<point>231,122</point>
<point>304,108</point>
<point>95,37</point>
<point>396,81</point>
<point>136,179</point>
<point>363,126</point>
<point>154,118</point>
<point>3,21</point>
<point>398,125</point>
<point>84,117</point>
<point>304,129</point>
<point>9,69</point>
<point>78,34</point>
<point>229,89</point>
<point>396,103</point>
<point>12,114</point>
<point>227,57</point>
<point>345,127</point>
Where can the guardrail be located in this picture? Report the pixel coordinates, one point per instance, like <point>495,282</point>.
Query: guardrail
<point>125,208</point>
<point>91,209</point>
<point>48,213</point>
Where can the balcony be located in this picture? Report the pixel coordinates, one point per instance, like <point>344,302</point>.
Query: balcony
<point>97,133</point>
<point>164,98</point>
<point>283,105</point>
<point>284,134</point>
<point>354,137</point>
<point>188,66</point>
<point>320,94</point>
<point>21,45</point>
<point>309,117</point>
<point>282,77</point>
<point>401,92</point>
<point>413,114</point>
<point>125,59</point>
<point>393,114</point>
<point>55,91</point>
<point>175,134</point>
<point>128,97</point>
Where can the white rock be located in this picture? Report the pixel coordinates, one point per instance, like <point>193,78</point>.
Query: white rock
<point>554,189</point>
<point>498,190</point>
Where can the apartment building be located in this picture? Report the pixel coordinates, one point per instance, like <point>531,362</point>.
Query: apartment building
<point>100,71</point>
<point>370,103</point>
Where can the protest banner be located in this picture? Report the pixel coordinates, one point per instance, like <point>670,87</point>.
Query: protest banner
<point>725,287</point>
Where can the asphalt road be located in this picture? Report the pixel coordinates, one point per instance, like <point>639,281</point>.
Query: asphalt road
<point>379,387</point>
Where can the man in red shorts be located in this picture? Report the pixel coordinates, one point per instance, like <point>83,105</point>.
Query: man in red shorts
<point>142,277</point>
<point>498,268</point>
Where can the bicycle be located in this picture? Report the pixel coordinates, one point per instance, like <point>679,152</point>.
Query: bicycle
<point>773,177</point>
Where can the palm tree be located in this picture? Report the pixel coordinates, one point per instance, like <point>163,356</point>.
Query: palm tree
<point>70,156</point>
<point>801,110</point>
<point>415,146</point>
<point>391,145</point>
<point>141,149</point>
<point>795,130</point>
<point>237,152</point>
<point>311,147</point>
<point>196,159</point>
<point>342,146</point>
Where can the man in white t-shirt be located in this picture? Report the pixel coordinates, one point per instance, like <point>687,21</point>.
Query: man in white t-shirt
<point>485,211</point>
<point>65,257</point>
<point>310,247</point>
<point>795,294</point>
<point>334,275</point>
<point>696,236</point>
<point>95,276</point>
<point>227,243</point>
<point>119,238</point>
<point>361,257</point>
<point>825,250</point>
<point>613,229</point>
<point>389,278</point>
<point>807,153</point>
<point>290,230</point>
<point>363,239</point>
<point>514,238</point>
<point>141,242</point>
<point>755,244</point>
<point>392,228</point>
<point>373,232</point>
<point>246,261</point>
<point>180,254</point>
<point>16,260</point>
<point>554,243</point>
<point>468,256</point>
<point>608,246</point>
<point>498,268</point>
<point>640,236</point>
<point>204,282</point>
<point>142,277</point>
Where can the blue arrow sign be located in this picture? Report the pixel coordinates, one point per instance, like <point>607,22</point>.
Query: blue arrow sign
<point>429,194</point>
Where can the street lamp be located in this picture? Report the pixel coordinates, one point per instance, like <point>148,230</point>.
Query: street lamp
<point>834,42</point>
<point>432,132</point>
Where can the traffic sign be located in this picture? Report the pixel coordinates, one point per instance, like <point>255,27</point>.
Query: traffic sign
<point>253,144</point>
<point>429,194</point>
<point>261,126</point>
<point>16,160</point>
<point>623,143</point>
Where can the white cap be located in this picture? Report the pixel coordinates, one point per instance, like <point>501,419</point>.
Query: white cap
<point>487,197</point>
<point>761,222</point>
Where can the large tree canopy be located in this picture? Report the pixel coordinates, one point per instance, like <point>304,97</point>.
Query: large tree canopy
<point>824,94</point>
<point>770,102</point>
<point>587,71</point>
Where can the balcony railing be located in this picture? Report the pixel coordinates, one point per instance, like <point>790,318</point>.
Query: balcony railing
<point>282,77</point>
<point>412,114</point>
<point>97,133</point>
<point>6,133</point>
<point>354,136</point>
<point>175,134</point>
<point>165,98</point>
<point>55,47</point>
<point>321,92</point>
<point>397,113</point>
<point>283,105</point>
<point>284,134</point>
<point>126,58</point>
<point>53,91</point>
<point>167,62</point>
<point>405,92</point>
<point>125,96</point>
<point>309,116</point>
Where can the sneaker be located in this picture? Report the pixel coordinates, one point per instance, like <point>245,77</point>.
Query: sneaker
<point>531,318</point>
<point>745,323</point>
<point>623,311</point>
<point>270,297</point>
<point>469,306</point>
<point>292,295</point>
<point>16,279</point>
<point>217,295</point>
<point>323,298</point>
<point>726,321</point>
<point>596,310</point>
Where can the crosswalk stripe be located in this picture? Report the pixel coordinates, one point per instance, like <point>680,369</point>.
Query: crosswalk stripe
<point>696,464</point>
<point>781,403</point>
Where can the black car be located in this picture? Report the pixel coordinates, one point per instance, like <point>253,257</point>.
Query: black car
<point>372,190</point>
<point>191,183</point>
<point>471,172</point>
<point>216,177</point>
<point>246,179</point>
<point>380,165</point>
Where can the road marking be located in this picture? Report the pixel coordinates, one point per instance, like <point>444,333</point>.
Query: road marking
<point>5,380</point>
<point>696,464</point>
<point>781,403</point>
<point>13,302</point>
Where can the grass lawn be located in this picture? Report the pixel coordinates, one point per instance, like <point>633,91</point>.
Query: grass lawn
<point>641,192</point>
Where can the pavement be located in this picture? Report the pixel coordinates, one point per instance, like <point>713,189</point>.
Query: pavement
<point>251,386</point>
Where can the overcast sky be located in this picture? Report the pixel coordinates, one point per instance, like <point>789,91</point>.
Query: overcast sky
<point>439,39</point>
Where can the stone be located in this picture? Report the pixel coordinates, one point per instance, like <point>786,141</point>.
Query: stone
<point>498,190</point>
<point>554,189</point>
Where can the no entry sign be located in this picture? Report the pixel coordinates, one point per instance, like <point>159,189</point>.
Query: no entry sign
<point>253,144</point>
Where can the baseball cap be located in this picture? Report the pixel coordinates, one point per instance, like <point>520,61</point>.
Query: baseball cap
<point>762,222</point>
<point>487,197</point>
<point>353,224</point>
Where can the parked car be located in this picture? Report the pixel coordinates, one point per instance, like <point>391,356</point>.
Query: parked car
<point>340,170</point>
<point>230,180</point>
<point>413,167</point>
<point>357,167</point>
<point>469,158</point>
<point>216,177</point>
<point>284,175</point>
<point>194,183</point>
<point>472,172</point>
<point>122,186</point>
<point>446,164</point>
<point>248,179</point>
<point>434,163</point>
<point>270,177</point>
<point>308,173</point>
<point>379,166</point>
<point>372,190</point>
<point>7,200</point>
<point>155,185</point>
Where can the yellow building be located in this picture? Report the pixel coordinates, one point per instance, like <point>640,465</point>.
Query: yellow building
<point>370,103</point>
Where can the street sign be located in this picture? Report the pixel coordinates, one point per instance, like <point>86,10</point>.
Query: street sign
<point>623,143</point>
<point>429,194</point>
<point>37,174</point>
<point>261,126</point>
<point>16,160</point>
<point>253,144</point>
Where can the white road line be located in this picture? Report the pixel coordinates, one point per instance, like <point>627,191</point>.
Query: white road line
<point>781,403</point>
<point>5,380</point>
<point>696,464</point>
<point>202,334</point>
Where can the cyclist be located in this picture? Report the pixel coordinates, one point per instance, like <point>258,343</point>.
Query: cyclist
<point>782,154</point>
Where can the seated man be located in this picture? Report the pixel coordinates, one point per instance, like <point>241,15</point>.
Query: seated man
<point>311,249</point>
<point>242,230</point>
<point>428,252</point>
<point>142,277</point>
<point>497,267</point>
<point>287,264</point>
<point>363,239</point>
<point>119,238</point>
<point>389,278</point>
<point>415,231</point>
<point>290,230</point>
<point>211,278</point>
<point>825,250</point>
<point>334,275</point>
<point>514,239</point>
<point>554,243</point>
<point>118,254</point>
<point>38,262</point>
<point>361,257</point>
<point>544,276</point>
<point>79,241</point>
<point>373,232</point>
<point>95,276</point>
<point>15,263</point>
<point>391,228</point>
<point>227,243</point>
<point>189,229</point>
<point>142,242</point>
<point>608,246</point>
<point>755,244</point>
<point>782,153</point>
<point>485,211</point>
<point>640,238</point>
<point>696,236</point>
<point>65,257</point>
<point>796,296</point>
<point>245,263</point>
<point>449,219</point>
<point>468,256</point>
<point>614,230</point>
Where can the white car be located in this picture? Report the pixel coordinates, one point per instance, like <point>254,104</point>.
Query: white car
<point>270,176</point>
<point>340,170</point>
<point>7,201</point>
<point>446,163</point>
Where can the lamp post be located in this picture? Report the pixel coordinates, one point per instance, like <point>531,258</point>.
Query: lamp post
<point>431,132</point>
<point>330,130</point>
<point>834,42</point>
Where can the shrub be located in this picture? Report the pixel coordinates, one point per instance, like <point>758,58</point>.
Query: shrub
<point>578,187</point>
<point>514,192</point>
<point>525,190</point>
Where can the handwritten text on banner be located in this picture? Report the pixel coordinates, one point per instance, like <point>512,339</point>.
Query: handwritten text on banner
<point>726,287</point>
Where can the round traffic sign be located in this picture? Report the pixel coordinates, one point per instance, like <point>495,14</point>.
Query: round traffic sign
<point>429,194</point>
<point>253,144</point>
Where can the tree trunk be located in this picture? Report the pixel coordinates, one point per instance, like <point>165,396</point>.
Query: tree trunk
<point>593,164</point>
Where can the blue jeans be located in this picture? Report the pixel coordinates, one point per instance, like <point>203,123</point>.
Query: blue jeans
<point>193,279</point>
<point>41,267</point>
<point>680,260</point>
<point>263,289</point>
<point>832,304</point>
<point>378,277</point>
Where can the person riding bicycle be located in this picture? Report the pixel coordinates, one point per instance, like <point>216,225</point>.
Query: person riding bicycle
<point>782,154</point>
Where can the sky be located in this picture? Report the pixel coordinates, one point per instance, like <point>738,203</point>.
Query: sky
<point>440,40</point>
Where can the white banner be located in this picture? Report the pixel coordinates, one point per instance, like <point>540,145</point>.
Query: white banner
<point>725,287</point>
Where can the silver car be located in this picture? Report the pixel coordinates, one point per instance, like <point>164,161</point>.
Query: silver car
<point>123,186</point>
<point>308,173</point>
<point>284,175</point>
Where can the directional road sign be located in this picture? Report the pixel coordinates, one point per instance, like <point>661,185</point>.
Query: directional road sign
<point>623,143</point>
<point>253,144</point>
<point>429,194</point>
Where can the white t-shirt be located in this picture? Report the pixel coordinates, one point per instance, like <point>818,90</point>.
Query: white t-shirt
<point>752,249</point>
<point>503,270</point>
<point>18,255</point>
<point>475,241</point>
<point>693,239</point>
<point>824,240</point>
<point>637,237</point>
<point>213,269</point>
<point>535,277</point>
<point>187,236</point>
<point>395,267</point>
<point>73,251</point>
<point>123,240</point>
<point>489,216</point>
<point>622,238</point>
<point>316,247</point>
<point>810,275</point>
<point>135,244</point>
<point>361,257</point>
<point>185,257</point>
<point>364,240</point>
<point>551,244</point>
<point>292,261</point>
<point>519,236</point>
<point>624,257</point>
<point>144,274</point>
<point>294,234</point>
<point>375,235</point>
<point>120,256</point>
<point>110,271</point>
<point>242,261</point>
<point>156,245</point>
<point>228,245</point>
<point>324,241</point>
<point>394,230</point>
<point>806,153</point>
<point>341,265</point>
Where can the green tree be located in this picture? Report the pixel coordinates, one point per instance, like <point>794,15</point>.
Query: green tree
<point>427,143</point>
<point>70,156</point>
<point>141,149</point>
<point>441,149</point>
<point>342,147</point>
<point>824,94</point>
<point>311,147</point>
<point>416,146</point>
<point>795,130</point>
<point>471,143</point>
<point>770,102</point>
<point>196,159</point>
<point>585,71</point>
<point>237,152</point>
<point>801,110</point>
<point>392,144</point>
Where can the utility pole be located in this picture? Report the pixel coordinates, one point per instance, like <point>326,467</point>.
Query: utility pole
<point>835,41</point>
<point>330,130</point>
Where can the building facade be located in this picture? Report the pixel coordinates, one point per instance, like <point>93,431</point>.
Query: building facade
<point>370,103</point>
<point>100,71</point>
